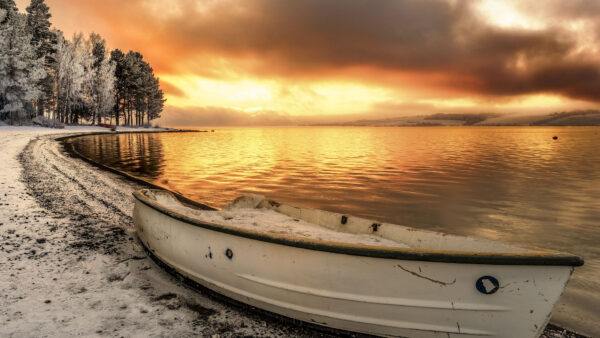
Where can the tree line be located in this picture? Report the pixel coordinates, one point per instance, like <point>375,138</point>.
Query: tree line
<point>74,81</point>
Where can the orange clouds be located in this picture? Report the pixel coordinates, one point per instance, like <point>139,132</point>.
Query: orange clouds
<point>515,48</point>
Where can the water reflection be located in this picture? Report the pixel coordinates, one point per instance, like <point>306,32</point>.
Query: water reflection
<point>138,154</point>
<point>513,184</point>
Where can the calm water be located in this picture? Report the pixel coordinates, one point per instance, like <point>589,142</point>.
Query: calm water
<point>515,184</point>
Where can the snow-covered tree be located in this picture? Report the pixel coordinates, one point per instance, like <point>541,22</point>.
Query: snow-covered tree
<point>6,7</point>
<point>103,81</point>
<point>20,68</point>
<point>73,78</point>
<point>41,71</point>
<point>44,41</point>
<point>9,6</point>
<point>98,46</point>
<point>105,84</point>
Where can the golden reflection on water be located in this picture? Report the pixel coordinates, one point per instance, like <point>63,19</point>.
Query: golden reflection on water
<point>510,183</point>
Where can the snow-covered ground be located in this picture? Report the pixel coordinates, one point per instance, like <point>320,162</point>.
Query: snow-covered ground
<point>70,263</point>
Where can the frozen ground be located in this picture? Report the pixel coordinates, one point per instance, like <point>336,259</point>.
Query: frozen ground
<point>70,263</point>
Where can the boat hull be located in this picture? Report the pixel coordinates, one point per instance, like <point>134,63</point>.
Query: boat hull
<point>381,296</point>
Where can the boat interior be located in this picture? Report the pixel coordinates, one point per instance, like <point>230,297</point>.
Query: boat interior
<point>410,237</point>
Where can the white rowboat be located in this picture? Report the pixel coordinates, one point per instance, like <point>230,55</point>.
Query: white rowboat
<point>429,285</point>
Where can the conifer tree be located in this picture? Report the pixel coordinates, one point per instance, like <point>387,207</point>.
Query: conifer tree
<point>7,9</point>
<point>20,68</point>
<point>98,49</point>
<point>133,79</point>
<point>156,100</point>
<point>9,6</point>
<point>138,93</point>
<point>44,41</point>
<point>117,57</point>
<point>103,79</point>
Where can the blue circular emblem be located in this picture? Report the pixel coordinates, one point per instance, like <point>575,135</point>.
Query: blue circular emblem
<point>487,285</point>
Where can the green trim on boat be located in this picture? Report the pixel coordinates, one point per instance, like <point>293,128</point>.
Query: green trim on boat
<point>546,258</point>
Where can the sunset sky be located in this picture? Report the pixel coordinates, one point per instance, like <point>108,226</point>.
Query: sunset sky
<point>267,61</point>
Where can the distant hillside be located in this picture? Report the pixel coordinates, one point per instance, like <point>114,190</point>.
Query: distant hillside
<point>465,119</point>
<point>424,120</point>
<point>573,118</point>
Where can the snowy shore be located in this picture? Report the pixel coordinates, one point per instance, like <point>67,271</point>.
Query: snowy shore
<point>70,263</point>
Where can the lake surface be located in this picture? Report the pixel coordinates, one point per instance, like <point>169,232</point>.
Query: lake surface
<point>515,184</point>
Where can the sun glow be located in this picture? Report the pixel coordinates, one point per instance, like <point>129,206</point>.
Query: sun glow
<point>243,94</point>
<point>293,98</point>
<point>504,15</point>
<point>536,101</point>
<point>524,102</point>
<point>451,103</point>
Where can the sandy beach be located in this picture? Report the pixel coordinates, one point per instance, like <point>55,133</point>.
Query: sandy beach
<point>70,262</point>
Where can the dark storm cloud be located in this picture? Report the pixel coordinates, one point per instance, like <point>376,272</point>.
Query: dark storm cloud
<point>300,36</point>
<point>316,38</point>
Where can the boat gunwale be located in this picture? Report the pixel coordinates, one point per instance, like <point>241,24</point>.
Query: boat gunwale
<point>537,256</point>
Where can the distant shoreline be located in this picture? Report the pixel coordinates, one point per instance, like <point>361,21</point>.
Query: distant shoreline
<point>424,125</point>
<point>573,118</point>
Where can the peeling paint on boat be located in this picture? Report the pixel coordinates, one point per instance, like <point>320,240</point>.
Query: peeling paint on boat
<point>419,291</point>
